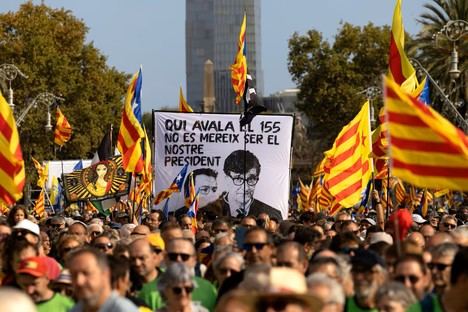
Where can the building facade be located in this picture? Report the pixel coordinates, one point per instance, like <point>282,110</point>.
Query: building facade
<point>212,31</point>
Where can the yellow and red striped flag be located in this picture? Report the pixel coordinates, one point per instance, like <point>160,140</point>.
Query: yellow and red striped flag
<point>63,129</point>
<point>302,197</point>
<point>239,68</point>
<point>190,192</point>
<point>12,174</point>
<point>184,107</point>
<point>426,149</point>
<point>42,172</point>
<point>148,168</point>
<point>39,206</point>
<point>131,132</point>
<point>348,167</point>
<point>400,68</point>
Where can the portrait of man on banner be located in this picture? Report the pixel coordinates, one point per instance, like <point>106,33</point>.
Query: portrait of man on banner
<point>242,173</point>
<point>100,181</point>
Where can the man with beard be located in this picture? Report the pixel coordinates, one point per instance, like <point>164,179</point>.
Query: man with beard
<point>242,170</point>
<point>368,272</point>
<point>91,282</point>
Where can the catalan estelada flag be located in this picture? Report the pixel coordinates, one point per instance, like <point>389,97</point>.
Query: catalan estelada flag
<point>426,150</point>
<point>12,174</point>
<point>184,107</point>
<point>63,129</point>
<point>42,172</point>
<point>192,212</point>
<point>190,192</point>
<point>131,132</point>
<point>176,186</point>
<point>348,167</point>
<point>239,68</point>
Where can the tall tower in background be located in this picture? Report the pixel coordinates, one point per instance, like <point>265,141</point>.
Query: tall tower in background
<point>211,32</point>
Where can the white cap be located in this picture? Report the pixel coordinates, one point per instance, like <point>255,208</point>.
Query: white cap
<point>378,237</point>
<point>418,219</point>
<point>25,224</point>
<point>370,221</point>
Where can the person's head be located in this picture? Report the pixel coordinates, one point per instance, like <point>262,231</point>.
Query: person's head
<point>460,235</point>
<point>176,285</point>
<point>16,251</point>
<point>236,165</point>
<point>45,242</point>
<point>181,250</point>
<point>340,218</point>
<point>308,238</point>
<point>57,223</point>
<point>292,255</point>
<point>350,226</point>
<point>66,244</point>
<point>5,231</point>
<point>91,276</point>
<point>427,232</point>
<point>145,259</point>
<point>120,274</point>
<point>185,222</point>
<point>368,273</point>
<point>328,290</point>
<point>440,266</point>
<point>12,299</point>
<point>140,231</point>
<point>448,223</point>
<point>418,239</point>
<point>104,243</point>
<point>16,214</point>
<point>394,297</point>
<point>206,184</point>
<point>170,231</point>
<point>220,225</point>
<point>27,230</point>
<point>257,246</point>
<point>248,222</point>
<point>154,219</point>
<point>326,265</point>
<point>80,230</point>
<point>456,294</point>
<point>345,243</point>
<point>32,277</point>
<point>411,271</point>
<point>94,230</point>
<point>227,264</point>
<point>439,238</point>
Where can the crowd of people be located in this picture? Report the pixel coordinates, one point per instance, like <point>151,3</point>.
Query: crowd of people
<point>309,262</point>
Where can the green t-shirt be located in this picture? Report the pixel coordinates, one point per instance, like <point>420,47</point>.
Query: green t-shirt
<point>58,303</point>
<point>352,306</point>
<point>431,303</point>
<point>205,293</point>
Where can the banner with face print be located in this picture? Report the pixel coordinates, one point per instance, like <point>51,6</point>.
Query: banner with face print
<point>231,178</point>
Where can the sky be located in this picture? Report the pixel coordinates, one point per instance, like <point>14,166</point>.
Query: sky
<point>151,33</point>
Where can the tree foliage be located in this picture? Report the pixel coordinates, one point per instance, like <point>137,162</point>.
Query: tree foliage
<point>434,49</point>
<point>331,75</point>
<point>49,46</point>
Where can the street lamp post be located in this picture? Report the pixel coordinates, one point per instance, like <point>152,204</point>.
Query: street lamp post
<point>45,98</point>
<point>371,93</point>
<point>10,72</point>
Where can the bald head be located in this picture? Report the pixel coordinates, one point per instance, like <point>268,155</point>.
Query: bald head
<point>440,238</point>
<point>141,231</point>
<point>417,238</point>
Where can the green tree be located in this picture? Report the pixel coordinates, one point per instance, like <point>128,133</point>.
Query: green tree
<point>434,50</point>
<point>49,46</point>
<point>331,75</point>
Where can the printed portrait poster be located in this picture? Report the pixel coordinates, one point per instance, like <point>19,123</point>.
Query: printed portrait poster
<point>231,179</point>
<point>102,180</point>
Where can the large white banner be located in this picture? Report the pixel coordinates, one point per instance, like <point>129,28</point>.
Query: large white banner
<point>231,180</point>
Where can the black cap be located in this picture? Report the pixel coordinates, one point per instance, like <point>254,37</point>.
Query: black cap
<point>367,259</point>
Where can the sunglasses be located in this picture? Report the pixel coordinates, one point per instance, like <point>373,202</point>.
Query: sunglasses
<point>156,250</point>
<point>450,225</point>
<point>402,278</point>
<point>284,264</point>
<point>68,249</point>
<point>250,246</point>
<point>57,225</point>
<point>227,270</point>
<point>104,246</point>
<point>277,304</point>
<point>174,256</point>
<point>178,290</point>
<point>438,266</point>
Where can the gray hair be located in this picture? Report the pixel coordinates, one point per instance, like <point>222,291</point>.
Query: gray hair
<point>444,250</point>
<point>337,294</point>
<point>230,254</point>
<point>176,273</point>
<point>396,291</point>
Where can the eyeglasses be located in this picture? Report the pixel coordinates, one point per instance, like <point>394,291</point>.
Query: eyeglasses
<point>57,225</point>
<point>402,278</point>
<point>284,264</point>
<point>104,246</point>
<point>96,233</point>
<point>250,246</point>
<point>156,250</point>
<point>204,190</point>
<point>174,256</point>
<point>216,231</point>
<point>68,249</point>
<point>277,304</point>
<point>239,180</point>
<point>21,232</point>
<point>450,225</point>
<point>178,290</point>
<point>438,266</point>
